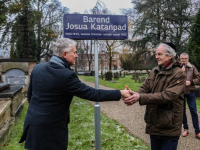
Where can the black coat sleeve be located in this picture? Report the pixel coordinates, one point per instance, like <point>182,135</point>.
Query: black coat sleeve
<point>77,88</point>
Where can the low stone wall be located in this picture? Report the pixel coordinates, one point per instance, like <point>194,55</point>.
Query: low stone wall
<point>13,98</point>
<point>9,110</point>
<point>130,72</point>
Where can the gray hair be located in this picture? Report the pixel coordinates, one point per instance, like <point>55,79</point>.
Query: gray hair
<point>169,51</point>
<point>61,44</point>
<point>184,54</point>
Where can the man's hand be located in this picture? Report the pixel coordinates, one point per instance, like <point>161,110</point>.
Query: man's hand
<point>125,93</point>
<point>132,99</point>
<point>188,83</point>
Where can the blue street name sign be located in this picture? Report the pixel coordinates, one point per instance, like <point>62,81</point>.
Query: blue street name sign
<point>102,27</point>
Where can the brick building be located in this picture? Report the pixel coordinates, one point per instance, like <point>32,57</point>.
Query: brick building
<point>103,62</point>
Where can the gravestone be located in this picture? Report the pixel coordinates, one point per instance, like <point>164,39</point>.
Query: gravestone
<point>133,76</point>
<point>15,77</point>
<point>139,80</point>
<point>108,76</point>
<point>87,73</point>
<point>135,80</point>
<point>116,75</point>
<point>92,73</point>
<point>143,79</point>
<point>101,76</point>
<point>137,75</point>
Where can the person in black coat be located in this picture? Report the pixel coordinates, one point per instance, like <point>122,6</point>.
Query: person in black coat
<point>52,87</point>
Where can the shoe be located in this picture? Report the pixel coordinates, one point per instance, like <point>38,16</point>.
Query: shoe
<point>186,132</point>
<point>197,136</point>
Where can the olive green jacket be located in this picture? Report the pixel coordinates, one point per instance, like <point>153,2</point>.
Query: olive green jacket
<point>163,94</point>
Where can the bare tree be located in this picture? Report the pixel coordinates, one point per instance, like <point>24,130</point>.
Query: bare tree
<point>110,47</point>
<point>45,20</point>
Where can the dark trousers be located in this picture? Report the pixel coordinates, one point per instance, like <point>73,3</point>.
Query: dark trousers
<point>164,142</point>
<point>191,101</point>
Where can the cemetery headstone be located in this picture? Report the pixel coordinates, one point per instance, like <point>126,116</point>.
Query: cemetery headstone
<point>116,75</point>
<point>143,79</point>
<point>15,77</point>
<point>139,80</point>
<point>108,76</point>
<point>133,76</point>
<point>137,75</point>
<point>92,73</point>
<point>135,80</point>
<point>87,73</point>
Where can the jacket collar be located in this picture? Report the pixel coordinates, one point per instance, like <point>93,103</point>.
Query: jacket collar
<point>60,61</point>
<point>189,64</point>
<point>163,70</point>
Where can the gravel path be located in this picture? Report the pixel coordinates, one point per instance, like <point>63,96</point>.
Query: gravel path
<point>132,116</point>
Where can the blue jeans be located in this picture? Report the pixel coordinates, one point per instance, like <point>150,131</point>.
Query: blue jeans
<point>191,101</point>
<point>164,142</point>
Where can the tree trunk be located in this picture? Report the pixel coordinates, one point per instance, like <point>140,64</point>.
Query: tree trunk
<point>39,41</point>
<point>90,65</point>
<point>110,64</point>
<point>38,37</point>
<point>26,33</point>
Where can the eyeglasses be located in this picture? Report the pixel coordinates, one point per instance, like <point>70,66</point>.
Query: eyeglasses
<point>159,54</point>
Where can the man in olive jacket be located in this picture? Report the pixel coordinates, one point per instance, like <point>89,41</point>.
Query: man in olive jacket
<point>52,87</point>
<point>192,78</point>
<point>163,94</point>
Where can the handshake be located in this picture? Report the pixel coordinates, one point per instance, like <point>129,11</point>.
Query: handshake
<point>129,97</point>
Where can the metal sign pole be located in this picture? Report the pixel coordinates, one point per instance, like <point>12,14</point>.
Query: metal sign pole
<point>97,116</point>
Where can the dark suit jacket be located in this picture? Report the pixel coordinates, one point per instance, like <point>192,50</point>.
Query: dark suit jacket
<point>51,90</point>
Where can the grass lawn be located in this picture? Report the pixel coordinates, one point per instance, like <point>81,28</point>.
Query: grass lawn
<point>113,135</point>
<point>120,84</point>
<point>81,131</point>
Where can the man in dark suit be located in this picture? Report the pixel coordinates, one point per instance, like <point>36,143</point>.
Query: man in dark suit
<point>52,87</point>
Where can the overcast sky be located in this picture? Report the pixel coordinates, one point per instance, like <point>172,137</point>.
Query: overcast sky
<point>80,6</point>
